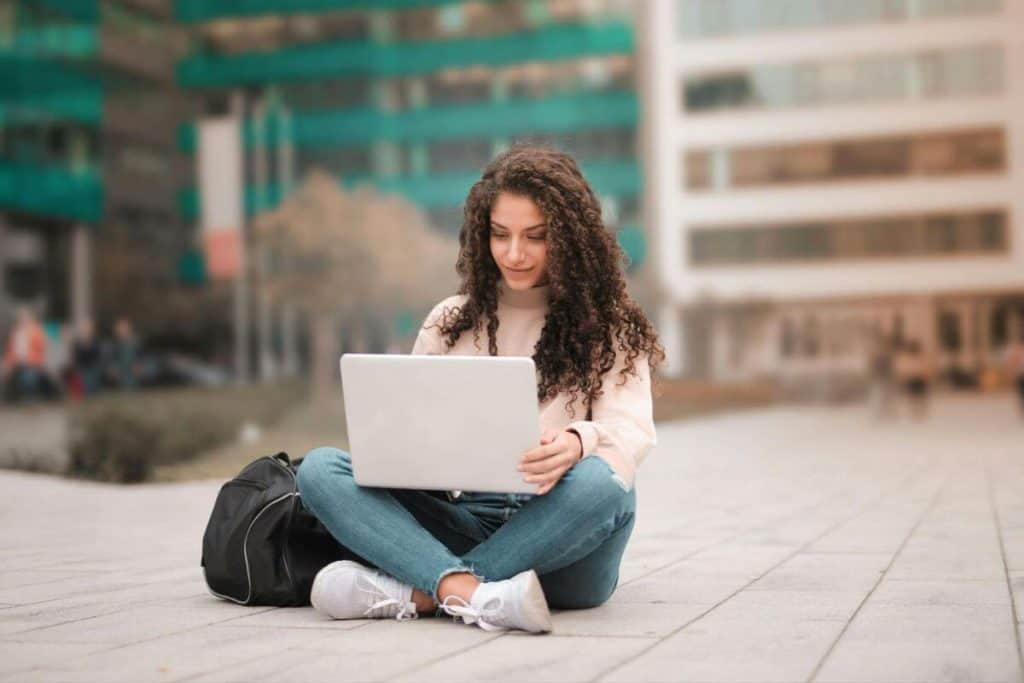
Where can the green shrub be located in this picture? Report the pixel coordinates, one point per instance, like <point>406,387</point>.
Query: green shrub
<point>121,437</point>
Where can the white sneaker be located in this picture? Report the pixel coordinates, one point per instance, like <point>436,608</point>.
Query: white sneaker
<point>499,605</point>
<point>348,590</point>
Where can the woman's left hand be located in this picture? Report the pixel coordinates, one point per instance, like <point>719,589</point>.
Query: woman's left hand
<point>544,465</point>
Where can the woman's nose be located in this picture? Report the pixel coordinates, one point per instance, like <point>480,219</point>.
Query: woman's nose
<point>515,251</point>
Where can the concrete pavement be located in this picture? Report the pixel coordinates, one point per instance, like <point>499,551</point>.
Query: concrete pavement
<point>787,544</point>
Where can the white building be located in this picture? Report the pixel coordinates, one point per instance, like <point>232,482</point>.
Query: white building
<point>824,171</point>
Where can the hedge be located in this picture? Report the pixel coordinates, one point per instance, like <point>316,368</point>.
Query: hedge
<point>120,437</point>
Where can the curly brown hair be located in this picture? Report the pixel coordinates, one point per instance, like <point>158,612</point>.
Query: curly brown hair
<point>590,315</point>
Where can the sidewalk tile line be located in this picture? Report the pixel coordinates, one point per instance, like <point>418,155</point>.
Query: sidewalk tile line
<point>864,509</point>
<point>818,502</point>
<point>881,576</point>
<point>435,660</point>
<point>120,646</point>
<point>997,519</point>
<point>101,592</point>
<point>273,653</point>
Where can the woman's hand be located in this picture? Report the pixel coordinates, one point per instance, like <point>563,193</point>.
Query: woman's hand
<point>559,450</point>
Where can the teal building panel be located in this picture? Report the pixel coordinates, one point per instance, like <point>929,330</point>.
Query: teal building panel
<point>362,126</point>
<point>192,11</point>
<point>51,192</point>
<point>615,178</point>
<point>550,43</point>
<point>59,41</point>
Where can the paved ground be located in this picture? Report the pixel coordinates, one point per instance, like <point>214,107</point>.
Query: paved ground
<point>34,438</point>
<point>778,545</point>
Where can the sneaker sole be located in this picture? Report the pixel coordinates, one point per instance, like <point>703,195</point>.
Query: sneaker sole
<point>535,605</point>
<point>322,574</point>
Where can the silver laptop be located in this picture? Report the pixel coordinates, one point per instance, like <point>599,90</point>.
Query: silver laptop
<point>440,422</point>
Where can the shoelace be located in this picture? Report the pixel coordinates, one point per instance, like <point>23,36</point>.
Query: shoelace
<point>470,615</point>
<point>406,610</point>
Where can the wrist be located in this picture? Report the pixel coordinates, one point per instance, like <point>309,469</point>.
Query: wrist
<point>579,442</point>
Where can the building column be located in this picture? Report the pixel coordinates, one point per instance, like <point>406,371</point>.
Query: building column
<point>261,179</point>
<point>81,274</point>
<point>670,329</point>
<point>965,321</point>
<point>983,320</point>
<point>289,319</point>
<point>289,340</point>
<point>1014,83</point>
<point>929,327</point>
<point>6,314</point>
<point>241,281</point>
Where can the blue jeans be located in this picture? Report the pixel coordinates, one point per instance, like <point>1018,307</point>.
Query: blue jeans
<point>573,536</point>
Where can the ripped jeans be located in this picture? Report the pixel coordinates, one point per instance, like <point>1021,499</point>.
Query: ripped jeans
<point>573,536</point>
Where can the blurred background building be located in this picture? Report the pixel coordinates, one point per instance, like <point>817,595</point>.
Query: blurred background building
<point>88,114</point>
<point>416,97</point>
<point>101,105</point>
<point>823,173</point>
<point>816,175</point>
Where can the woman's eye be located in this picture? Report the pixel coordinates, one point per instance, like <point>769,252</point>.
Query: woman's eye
<point>498,236</point>
<point>538,238</point>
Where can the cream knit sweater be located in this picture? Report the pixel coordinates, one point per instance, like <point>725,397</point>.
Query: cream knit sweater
<point>621,428</point>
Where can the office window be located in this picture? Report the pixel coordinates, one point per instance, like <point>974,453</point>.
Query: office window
<point>707,18</point>
<point>948,153</point>
<point>973,70</point>
<point>851,239</point>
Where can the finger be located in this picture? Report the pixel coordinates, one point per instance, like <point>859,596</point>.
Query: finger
<point>540,476</point>
<point>549,435</point>
<point>549,476</point>
<point>560,461</point>
<point>541,452</point>
<point>532,454</point>
<point>547,464</point>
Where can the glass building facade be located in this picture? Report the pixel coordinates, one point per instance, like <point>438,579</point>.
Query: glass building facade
<point>943,153</point>
<point>832,174</point>
<point>717,18</point>
<point>88,112</point>
<point>416,97</point>
<point>951,72</point>
<point>894,237</point>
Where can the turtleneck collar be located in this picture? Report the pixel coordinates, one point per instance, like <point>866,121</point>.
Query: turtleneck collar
<point>535,297</point>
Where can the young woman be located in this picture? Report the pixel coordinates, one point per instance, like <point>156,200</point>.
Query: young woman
<point>541,277</point>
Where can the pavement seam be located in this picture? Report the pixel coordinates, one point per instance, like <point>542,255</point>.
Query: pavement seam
<point>997,519</point>
<point>120,646</point>
<point>862,510</point>
<point>781,520</point>
<point>881,577</point>
<point>449,655</point>
<point>272,653</point>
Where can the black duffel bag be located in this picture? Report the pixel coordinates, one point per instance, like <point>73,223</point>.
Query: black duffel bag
<point>261,545</point>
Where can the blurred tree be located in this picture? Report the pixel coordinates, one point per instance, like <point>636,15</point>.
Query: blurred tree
<point>134,279</point>
<point>348,259</point>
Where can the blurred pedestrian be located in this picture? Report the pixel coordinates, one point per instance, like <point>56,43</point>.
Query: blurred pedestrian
<point>124,355</point>
<point>881,377</point>
<point>25,372</point>
<point>87,357</point>
<point>913,368</point>
<point>1015,367</point>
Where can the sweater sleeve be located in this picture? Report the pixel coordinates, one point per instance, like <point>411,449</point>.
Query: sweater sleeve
<point>621,428</point>
<point>429,341</point>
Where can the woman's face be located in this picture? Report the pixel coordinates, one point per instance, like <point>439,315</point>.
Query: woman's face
<point>519,241</point>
